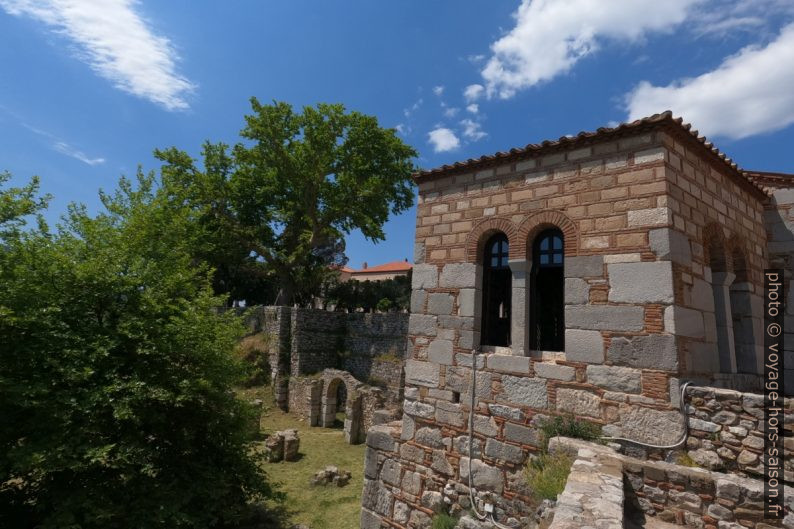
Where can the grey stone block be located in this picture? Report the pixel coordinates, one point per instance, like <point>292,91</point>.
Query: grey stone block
<point>484,476</point>
<point>509,364</point>
<point>449,413</point>
<point>429,437</point>
<point>522,434</point>
<point>641,282</point>
<point>466,340</point>
<point>623,379</point>
<point>649,425</point>
<point>440,352</point>
<point>682,321</point>
<point>584,266</point>
<point>525,391</point>
<point>702,295</point>
<point>369,520</point>
<point>579,402</point>
<point>456,322</point>
<point>670,244</point>
<point>418,409</point>
<point>424,276</point>
<point>459,275</point>
<point>484,425</point>
<point>421,373</point>
<point>554,371</point>
<point>604,317</point>
<point>418,298</point>
<point>391,472</point>
<point>584,346</point>
<point>466,300</point>
<point>506,412</point>
<point>440,304</point>
<point>379,437</point>
<point>465,360</point>
<point>419,253</point>
<point>654,351</point>
<point>503,452</point>
<point>422,325</point>
<point>577,291</point>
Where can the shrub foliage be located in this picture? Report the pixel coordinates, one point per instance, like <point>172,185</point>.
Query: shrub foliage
<point>116,372</point>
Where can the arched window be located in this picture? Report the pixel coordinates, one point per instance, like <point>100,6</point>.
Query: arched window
<point>546,315</point>
<point>496,292</point>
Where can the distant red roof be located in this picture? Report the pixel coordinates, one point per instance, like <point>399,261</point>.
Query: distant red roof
<point>395,266</point>
<point>346,270</point>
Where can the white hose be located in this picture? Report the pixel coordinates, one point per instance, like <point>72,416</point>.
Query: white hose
<point>471,443</point>
<point>682,406</point>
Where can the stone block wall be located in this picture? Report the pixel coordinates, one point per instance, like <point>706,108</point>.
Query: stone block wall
<point>779,216</point>
<point>428,450</point>
<point>726,431</point>
<point>606,489</point>
<point>713,212</point>
<point>317,338</point>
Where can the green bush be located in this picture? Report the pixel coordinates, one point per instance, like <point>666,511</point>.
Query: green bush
<point>569,426</point>
<point>443,520</point>
<point>116,374</point>
<point>547,474</point>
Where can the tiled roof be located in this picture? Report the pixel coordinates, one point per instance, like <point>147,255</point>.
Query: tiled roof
<point>396,266</point>
<point>665,119</point>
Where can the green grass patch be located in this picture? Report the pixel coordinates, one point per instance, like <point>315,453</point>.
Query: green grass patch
<point>319,507</point>
<point>443,520</point>
<point>569,426</point>
<point>547,474</point>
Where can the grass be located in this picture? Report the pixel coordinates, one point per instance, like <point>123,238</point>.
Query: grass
<point>569,426</point>
<point>316,506</point>
<point>443,520</point>
<point>547,474</point>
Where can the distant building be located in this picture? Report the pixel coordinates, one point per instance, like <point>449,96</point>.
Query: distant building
<point>377,273</point>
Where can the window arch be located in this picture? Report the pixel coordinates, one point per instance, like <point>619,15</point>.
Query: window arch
<point>546,316</point>
<point>496,292</point>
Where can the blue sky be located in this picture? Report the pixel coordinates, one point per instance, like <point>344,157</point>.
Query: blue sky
<point>90,87</point>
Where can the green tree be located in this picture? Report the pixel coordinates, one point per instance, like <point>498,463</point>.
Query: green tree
<point>116,372</point>
<point>287,195</point>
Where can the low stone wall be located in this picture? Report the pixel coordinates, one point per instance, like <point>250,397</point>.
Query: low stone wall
<point>304,398</point>
<point>726,431</point>
<point>686,496</point>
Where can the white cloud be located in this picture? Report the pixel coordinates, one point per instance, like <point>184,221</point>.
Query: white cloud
<point>550,36</point>
<point>473,92</point>
<point>451,112</point>
<point>68,150</point>
<point>403,129</point>
<point>57,143</point>
<point>473,108</point>
<point>749,93</point>
<point>413,108</point>
<point>438,90</point>
<point>443,139</point>
<point>116,42</point>
<point>472,130</point>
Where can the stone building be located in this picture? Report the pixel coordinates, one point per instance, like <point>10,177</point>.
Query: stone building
<point>594,274</point>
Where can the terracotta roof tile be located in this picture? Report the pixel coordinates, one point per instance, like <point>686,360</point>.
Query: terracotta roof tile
<point>395,266</point>
<point>665,119</point>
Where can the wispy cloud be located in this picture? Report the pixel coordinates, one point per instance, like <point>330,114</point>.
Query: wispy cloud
<point>407,112</point>
<point>473,108</point>
<point>68,150</point>
<point>550,36</point>
<point>117,43</point>
<point>443,139</point>
<point>438,90</point>
<point>473,92</point>
<point>451,112</point>
<point>472,130</point>
<point>55,142</point>
<point>749,93</point>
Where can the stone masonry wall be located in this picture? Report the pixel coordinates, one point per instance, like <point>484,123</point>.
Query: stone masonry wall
<point>726,431</point>
<point>779,216</point>
<point>707,205</point>
<point>606,489</point>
